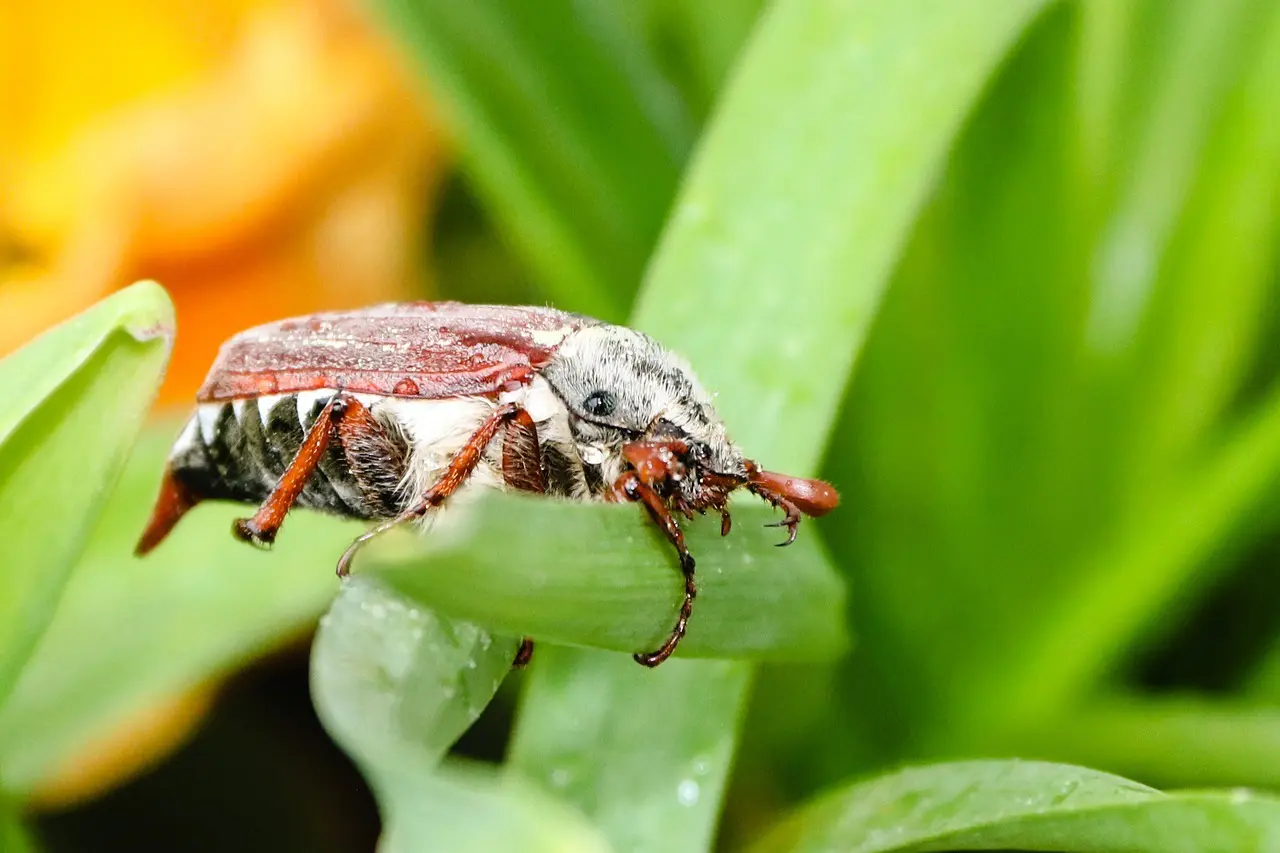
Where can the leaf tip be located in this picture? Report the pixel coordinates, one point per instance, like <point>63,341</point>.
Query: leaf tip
<point>147,312</point>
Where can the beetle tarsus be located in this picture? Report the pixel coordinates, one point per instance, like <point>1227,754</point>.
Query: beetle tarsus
<point>652,659</point>
<point>524,654</point>
<point>791,520</point>
<point>631,486</point>
<point>246,531</point>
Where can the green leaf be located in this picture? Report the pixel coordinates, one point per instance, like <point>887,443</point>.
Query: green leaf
<point>1002,805</point>
<point>75,399</point>
<point>507,563</point>
<point>569,130</point>
<point>464,808</point>
<point>129,632</point>
<point>395,684</point>
<point>589,730</point>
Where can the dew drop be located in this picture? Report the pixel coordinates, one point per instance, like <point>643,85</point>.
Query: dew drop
<point>560,778</point>
<point>687,792</point>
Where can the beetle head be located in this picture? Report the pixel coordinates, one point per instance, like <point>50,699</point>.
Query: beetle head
<point>622,387</point>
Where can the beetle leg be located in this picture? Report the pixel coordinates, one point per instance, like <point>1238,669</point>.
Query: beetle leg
<point>262,528</point>
<point>522,470</point>
<point>464,462</point>
<point>792,519</point>
<point>631,487</point>
<point>375,457</point>
<point>524,654</point>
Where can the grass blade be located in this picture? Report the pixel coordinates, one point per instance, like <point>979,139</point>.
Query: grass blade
<point>574,139</point>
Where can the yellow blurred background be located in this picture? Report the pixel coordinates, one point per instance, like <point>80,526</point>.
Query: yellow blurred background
<point>261,158</point>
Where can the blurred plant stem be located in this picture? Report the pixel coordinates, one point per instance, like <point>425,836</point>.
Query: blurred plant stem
<point>1166,741</point>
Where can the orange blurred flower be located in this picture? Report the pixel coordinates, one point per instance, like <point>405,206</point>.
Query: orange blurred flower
<point>260,158</point>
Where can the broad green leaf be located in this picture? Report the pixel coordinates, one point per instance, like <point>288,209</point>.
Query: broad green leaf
<point>465,808</point>
<point>589,730</point>
<point>801,196</point>
<point>1029,806</point>
<point>569,130</point>
<point>395,684</point>
<point>129,632</point>
<point>601,575</point>
<point>75,399</point>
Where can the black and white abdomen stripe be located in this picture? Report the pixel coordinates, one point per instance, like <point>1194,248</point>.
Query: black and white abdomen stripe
<point>238,450</point>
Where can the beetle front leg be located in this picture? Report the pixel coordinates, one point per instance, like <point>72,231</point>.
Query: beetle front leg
<point>631,487</point>
<point>459,469</point>
<point>262,528</point>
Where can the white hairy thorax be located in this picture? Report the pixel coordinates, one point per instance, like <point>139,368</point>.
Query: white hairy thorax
<point>435,429</point>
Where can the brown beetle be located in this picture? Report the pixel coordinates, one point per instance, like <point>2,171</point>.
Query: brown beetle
<point>384,413</point>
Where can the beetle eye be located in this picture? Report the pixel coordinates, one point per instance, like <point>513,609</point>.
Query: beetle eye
<point>600,404</point>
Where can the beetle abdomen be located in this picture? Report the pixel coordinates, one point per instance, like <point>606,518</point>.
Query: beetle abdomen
<point>238,451</point>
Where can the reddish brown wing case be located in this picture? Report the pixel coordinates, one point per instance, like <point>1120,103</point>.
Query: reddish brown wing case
<point>429,350</point>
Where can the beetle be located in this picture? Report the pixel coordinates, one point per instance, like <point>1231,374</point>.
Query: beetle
<point>386,413</point>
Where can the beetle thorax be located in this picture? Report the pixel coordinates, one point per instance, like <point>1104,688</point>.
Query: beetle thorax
<point>621,386</point>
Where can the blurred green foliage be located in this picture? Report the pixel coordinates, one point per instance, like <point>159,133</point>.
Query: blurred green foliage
<point>1004,272</point>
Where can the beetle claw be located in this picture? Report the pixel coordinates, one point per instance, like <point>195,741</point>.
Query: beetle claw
<point>792,523</point>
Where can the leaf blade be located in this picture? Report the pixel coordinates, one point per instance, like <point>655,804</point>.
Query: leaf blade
<point>999,805</point>
<point>80,393</point>
<point>756,600</point>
